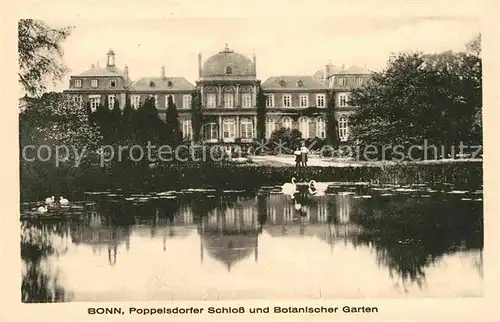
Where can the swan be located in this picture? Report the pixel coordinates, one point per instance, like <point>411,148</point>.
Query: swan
<point>317,189</point>
<point>50,201</point>
<point>289,188</point>
<point>297,206</point>
<point>42,209</point>
<point>63,201</point>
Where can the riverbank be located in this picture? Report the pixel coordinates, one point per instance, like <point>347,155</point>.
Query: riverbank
<point>43,180</point>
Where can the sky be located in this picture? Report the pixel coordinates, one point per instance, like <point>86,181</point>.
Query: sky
<point>283,46</point>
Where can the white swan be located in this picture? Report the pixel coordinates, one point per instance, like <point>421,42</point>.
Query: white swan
<point>297,206</point>
<point>317,189</point>
<point>289,188</point>
<point>50,201</point>
<point>42,209</point>
<point>63,201</point>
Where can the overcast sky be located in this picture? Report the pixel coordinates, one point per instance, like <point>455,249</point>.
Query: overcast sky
<point>284,45</point>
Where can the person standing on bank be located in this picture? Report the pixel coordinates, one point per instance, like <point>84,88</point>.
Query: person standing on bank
<point>298,157</point>
<point>304,154</point>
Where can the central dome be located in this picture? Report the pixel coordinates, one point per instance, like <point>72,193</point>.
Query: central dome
<point>227,63</point>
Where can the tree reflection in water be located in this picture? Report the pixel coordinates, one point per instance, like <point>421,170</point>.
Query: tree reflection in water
<point>409,233</point>
<point>40,282</point>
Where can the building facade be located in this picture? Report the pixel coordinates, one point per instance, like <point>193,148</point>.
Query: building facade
<point>229,88</point>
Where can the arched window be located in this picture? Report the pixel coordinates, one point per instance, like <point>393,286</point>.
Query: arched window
<point>342,81</point>
<point>304,126</point>
<point>270,127</point>
<point>286,122</point>
<point>321,128</point>
<point>229,70</point>
<point>187,130</point>
<point>359,81</point>
<point>210,131</point>
<point>343,128</point>
<point>246,129</point>
<point>228,128</point>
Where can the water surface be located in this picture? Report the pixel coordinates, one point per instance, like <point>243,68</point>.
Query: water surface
<point>355,241</point>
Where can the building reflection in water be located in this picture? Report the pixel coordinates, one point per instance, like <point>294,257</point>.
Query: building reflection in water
<point>99,233</point>
<point>325,217</point>
<point>230,234</point>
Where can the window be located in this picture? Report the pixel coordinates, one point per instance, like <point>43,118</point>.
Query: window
<point>78,83</point>
<point>342,81</point>
<point>269,100</point>
<point>246,100</point>
<point>95,100</point>
<point>112,83</point>
<point>229,70</point>
<point>246,131</point>
<point>152,84</point>
<point>321,128</point>
<point>343,129</point>
<point>210,131</point>
<point>155,97</point>
<point>282,83</point>
<point>187,130</point>
<point>343,99</point>
<point>286,122</point>
<point>94,83</point>
<point>136,101</point>
<point>304,127</point>
<point>303,101</point>
<point>300,83</point>
<point>270,127</point>
<point>287,100</point>
<point>167,97</point>
<point>320,100</point>
<point>170,84</point>
<point>186,101</point>
<point>229,129</point>
<point>359,81</point>
<point>111,101</point>
<point>211,100</point>
<point>228,100</point>
<point>78,99</point>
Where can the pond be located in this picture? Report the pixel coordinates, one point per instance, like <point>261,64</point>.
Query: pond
<point>355,241</point>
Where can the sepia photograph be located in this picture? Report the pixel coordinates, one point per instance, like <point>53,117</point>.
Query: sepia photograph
<point>176,159</point>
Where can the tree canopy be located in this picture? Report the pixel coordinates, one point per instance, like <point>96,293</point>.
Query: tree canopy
<point>40,55</point>
<point>420,97</point>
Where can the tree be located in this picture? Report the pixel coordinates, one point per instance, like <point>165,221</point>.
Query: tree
<point>196,116</point>
<point>261,116</point>
<point>419,97</point>
<point>116,122</point>
<point>129,122</point>
<point>173,132</point>
<point>40,54</point>
<point>331,123</point>
<point>148,126</point>
<point>287,140</point>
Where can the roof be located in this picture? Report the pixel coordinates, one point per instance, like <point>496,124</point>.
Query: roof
<point>341,70</point>
<point>229,249</point>
<point>228,63</point>
<point>292,82</point>
<point>103,71</point>
<point>162,84</point>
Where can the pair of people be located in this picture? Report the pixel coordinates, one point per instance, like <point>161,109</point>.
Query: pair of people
<point>301,154</point>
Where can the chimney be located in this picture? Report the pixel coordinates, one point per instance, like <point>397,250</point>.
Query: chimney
<point>326,73</point>
<point>343,67</point>
<point>163,72</point>
<point>126,73</point>
<point>92,66</point>
<point>254,63</point>
<point>199,65</point>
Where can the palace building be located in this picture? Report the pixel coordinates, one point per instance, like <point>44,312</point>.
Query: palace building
<point>229,86</point>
